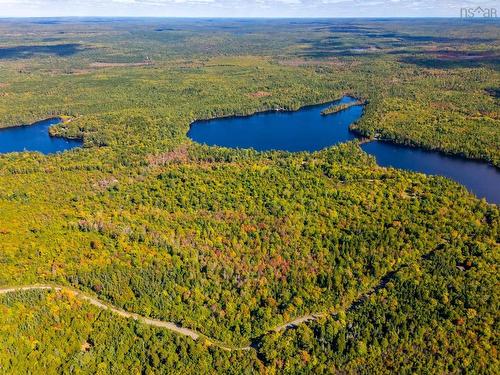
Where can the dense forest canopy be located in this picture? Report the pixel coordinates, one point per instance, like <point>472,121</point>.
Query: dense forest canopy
<point>232,243</point>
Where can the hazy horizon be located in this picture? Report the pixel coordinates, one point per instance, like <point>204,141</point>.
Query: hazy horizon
<point>238,8</point>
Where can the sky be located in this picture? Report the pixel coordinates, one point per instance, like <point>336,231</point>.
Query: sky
<point>240,8</point>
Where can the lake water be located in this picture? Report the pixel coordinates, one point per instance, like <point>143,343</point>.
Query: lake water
<point>303,130</point>
<point>35,137</point>
<point>307,130</point>
<point>478,177</point>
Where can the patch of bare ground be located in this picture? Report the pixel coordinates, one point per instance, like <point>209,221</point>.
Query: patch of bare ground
<point>179,155</point>
<point>105,183</point>
<point>85,347</point>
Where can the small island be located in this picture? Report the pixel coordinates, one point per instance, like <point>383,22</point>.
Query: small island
<point>336,108</point>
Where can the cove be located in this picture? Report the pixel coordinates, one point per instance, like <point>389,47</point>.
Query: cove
<point>35,137</point>
<point>307,130</point>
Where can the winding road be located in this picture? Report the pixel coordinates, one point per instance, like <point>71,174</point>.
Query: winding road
<point>104,306</point>
<point>153,322</point>
<point>190,332</point>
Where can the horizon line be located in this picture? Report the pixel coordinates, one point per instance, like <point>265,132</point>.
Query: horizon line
<point>250,17</point>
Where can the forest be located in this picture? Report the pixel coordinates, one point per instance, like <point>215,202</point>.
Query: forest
<point>400,267</point>
<point>335,108</point>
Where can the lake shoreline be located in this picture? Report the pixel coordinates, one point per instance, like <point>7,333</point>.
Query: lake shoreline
<point>38,122</point>
<point>362,137</point>
<point>37,137</point>
<point>306,130</point>
<point>364,140</point>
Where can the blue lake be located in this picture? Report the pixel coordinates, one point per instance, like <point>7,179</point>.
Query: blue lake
<point>307,130</point>
<point>303,130</point>
<point>35,137</point>
<point>478,177</point>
